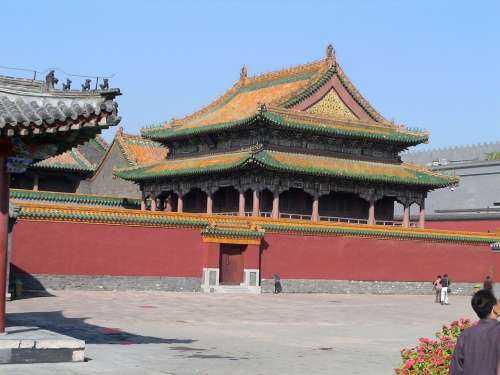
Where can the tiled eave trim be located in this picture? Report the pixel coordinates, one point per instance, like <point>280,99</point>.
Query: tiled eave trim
<point>83,199</point>
<point>282,226</point>
<point>275,120</point>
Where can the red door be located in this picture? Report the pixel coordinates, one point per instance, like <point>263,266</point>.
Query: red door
<point>231,264</point>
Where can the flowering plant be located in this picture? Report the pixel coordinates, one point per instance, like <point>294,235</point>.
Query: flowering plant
<point>432,356</point>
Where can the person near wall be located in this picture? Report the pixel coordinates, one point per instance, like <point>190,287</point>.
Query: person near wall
<point>445,285</point>
<point>437,288</point>
<point>277,284</point>
<point>488,283</point>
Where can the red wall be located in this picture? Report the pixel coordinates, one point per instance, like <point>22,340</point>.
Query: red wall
<point>42,247</point>
<point>356,258</point>
<point>467,225</point>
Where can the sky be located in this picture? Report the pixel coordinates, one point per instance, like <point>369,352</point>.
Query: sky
<point>427,64</point>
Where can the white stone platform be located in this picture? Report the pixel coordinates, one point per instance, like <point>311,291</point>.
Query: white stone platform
<point>35,345</point>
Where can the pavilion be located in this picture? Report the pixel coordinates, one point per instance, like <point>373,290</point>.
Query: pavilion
<point>298,143</point>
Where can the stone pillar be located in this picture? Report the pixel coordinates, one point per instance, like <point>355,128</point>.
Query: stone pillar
<point>153,204</point>
<point>143,204</point>
<point>406,215</point>
<point>371,212</point>
<point>256,203</point>
<point>421,215</point>
<point>35,182</point>
<point>315,208</point>
<point>241,204</point>
<point>275,214</point>
<point>180,203</point>
<point>4,235</point>
<point>168,204</point>
<point>210,203</point>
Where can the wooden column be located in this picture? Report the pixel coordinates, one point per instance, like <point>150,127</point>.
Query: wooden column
<point>315,208</point>
<point>256,203</point>
<point>371,212</point>
<point>275,214</point>
<point>35,182</point>
<point>210,203</point>
<point>421,215</point>
<point>241,204</point>
<point>180,203</point>
<point>4,233</point>
<point>168,204</point>
<point>153,204</point>
<point>406,216</point>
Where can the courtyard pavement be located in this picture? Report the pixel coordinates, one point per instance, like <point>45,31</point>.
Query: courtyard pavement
<point>186,333</point>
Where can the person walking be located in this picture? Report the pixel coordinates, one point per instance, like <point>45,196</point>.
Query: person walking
<point>277,284</point>
<point>445,284</point>
<point>437,289</point>
<point>488,284</point>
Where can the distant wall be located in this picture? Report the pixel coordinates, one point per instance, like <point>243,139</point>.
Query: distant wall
<point>465,225</point>
<point>84,249</point>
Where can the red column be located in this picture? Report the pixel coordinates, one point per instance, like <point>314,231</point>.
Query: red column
<point>143,205</point>
<point>371,212</point>
<point>210,204</point>
<point>168,204</point>
<point>421,216</point>
<point>180,203</point>
<point>35,182</point>
<point>241,206</point>
<point>275,214</point>
<point>153,204</point>
<point>4,230</point>
<point>406,216</point>
<point>256,203</point>
<point>315,208</point>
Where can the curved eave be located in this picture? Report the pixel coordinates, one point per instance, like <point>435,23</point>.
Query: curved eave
<point>275,120</point>
<point>265,160</point>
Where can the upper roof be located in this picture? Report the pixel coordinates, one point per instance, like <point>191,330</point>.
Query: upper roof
<point>320,88</point>
<point>405,174</point>
<point>30,108</point>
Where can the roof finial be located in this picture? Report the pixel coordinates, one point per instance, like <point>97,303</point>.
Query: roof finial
<point>120,130</point>
<point>50,80</point>
<point>243,74</point>
<point>330,52</point>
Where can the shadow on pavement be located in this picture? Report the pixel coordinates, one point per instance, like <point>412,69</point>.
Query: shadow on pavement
<point>79,329</point>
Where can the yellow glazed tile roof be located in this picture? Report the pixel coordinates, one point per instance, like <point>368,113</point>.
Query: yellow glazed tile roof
<point>138,150</point>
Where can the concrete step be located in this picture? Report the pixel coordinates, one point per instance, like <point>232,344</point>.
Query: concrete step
<point>234,289</point>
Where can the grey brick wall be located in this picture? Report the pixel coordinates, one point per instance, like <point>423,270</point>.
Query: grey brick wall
<point>361,287</point>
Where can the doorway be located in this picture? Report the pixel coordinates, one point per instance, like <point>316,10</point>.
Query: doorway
<point>231,264</point>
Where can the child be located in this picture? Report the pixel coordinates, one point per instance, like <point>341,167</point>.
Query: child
<point>477,350</point>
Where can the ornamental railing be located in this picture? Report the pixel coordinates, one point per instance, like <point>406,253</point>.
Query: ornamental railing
<point>333,219</point>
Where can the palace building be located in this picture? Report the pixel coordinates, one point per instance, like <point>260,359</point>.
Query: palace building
<point>296,143</point>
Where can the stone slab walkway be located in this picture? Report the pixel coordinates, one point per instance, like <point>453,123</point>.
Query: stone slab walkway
<point>186,333</point>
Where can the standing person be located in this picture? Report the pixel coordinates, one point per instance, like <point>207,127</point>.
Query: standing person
<point>437,288</point>
<point>277,283</point>
<point>477,349</point>
<point>445,284</point>
<point>488,283</point>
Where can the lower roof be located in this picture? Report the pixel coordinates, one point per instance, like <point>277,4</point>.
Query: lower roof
<point>368,171</point>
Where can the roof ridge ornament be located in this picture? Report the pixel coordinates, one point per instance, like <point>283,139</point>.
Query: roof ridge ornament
<point>67,86</point>
<point>330,54</point>
<point>50,80</point>
<point>243,75</point>
<point>262,107</point>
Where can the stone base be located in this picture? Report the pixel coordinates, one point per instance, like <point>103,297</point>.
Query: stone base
<point>38,283</point>
<point>362,287</point>
<point>35,345</point>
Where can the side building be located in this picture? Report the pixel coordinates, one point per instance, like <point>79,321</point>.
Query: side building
<point>474,203</point>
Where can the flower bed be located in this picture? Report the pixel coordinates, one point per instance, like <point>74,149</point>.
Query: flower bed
<point>432,356</point>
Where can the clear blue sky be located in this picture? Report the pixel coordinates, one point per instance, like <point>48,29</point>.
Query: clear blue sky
<point>430,64</point>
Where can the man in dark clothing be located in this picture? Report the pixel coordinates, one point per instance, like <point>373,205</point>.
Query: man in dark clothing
<point>488,283</point>
<point>277,284</point>
<point>478,348</point>
<point>445,284</point>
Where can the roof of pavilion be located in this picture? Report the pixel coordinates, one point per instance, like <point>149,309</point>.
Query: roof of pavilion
<point>35,111</point>
<point>138,150</point>
<point>291,97</point>
<point>69,161</point>
<point>405,174</point>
